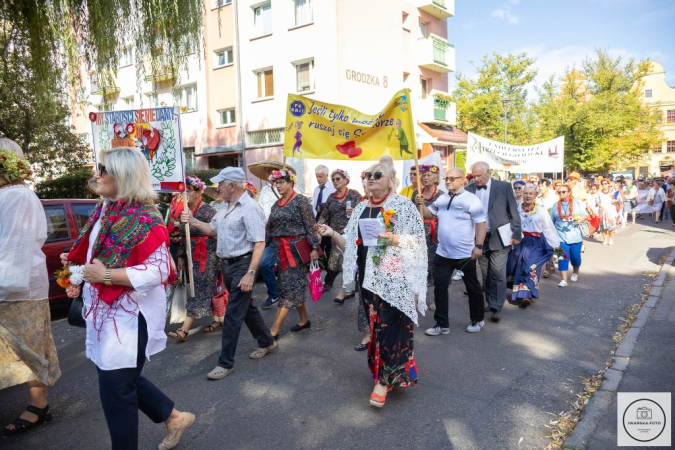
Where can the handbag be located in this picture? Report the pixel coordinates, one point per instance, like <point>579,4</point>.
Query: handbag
<point>219,301</point>
<point>585,228</point>
<point>76,312</point>
<point>305,251</point>
<point>633,203</point>
<point>316,288</point>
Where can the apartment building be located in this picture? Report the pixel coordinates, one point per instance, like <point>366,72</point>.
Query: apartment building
<point>352,52</point>
<point>660,161</point>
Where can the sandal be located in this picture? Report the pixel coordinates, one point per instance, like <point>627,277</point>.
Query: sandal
<point>176,335</point>
<point>545,273</point>
<point>377,400</point>
<point>211,328</point>
<point>23,425</point>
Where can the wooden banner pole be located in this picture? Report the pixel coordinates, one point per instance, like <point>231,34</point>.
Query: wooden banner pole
<point>188,246</point>
<point>419,183</point>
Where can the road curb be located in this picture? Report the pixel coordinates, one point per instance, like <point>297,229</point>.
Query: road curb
<point>600,402</point>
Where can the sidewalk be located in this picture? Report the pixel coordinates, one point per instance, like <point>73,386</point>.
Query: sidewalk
<point>644,362</point>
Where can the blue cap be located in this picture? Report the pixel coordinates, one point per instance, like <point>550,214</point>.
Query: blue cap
<point>230,174</point>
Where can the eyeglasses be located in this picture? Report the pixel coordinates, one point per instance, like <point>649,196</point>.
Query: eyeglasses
<point>279,182</point>
<point>376,175</point>
<point>101,170</point>
<point>563,192</point>
<point>452,179</point>
<point>605,184</point>
<point>336,179</point>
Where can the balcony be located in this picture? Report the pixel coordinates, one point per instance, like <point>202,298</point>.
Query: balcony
<point>434,53</point>
<point>99,88</point>
<point>436,108</point>
<point>160,72</point>
<point>441,9</point>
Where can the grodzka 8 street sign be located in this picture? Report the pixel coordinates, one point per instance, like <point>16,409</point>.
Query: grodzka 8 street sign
<point>155,132</point>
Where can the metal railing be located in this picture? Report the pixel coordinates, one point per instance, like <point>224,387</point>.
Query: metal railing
<point>440,3</point>
<point>263,138</point>
<point>441,109</point>
<point>440,52</point>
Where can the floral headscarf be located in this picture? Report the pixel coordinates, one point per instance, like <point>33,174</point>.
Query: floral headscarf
<point>196,182</point>
<point>342,173</point>
<point>282,174</point>
<point>250,187</point>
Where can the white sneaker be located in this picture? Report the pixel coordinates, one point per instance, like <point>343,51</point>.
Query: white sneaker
<point>474,327</point>
<point>458,276</point>
<point>437,330</point>
<point>563,283</point>
<point>574,277</point>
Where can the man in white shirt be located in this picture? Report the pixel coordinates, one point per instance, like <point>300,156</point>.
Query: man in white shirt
<point>548,197</point>
<point>321,193</point>
<point>461,224</point>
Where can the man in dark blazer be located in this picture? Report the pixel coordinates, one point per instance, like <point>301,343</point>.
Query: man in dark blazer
<point>501,207</point>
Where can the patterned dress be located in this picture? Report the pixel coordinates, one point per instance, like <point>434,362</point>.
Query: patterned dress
<point>286,226</point>
<point>334,214</point>
<point>609,218</point>
<point>430,230</point>
<point>205,273</point>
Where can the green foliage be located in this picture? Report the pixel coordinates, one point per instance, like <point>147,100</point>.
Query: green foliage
<point>71,185</point>
<point>478,98</point>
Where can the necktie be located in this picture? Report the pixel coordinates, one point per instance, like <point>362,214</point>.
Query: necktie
<point>481,187</point>
<point>319,199</point>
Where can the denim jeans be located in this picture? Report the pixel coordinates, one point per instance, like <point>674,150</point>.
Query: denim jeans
<point>267,270</point>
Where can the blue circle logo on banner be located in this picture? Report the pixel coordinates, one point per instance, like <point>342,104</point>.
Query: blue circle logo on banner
<point>297,108</point>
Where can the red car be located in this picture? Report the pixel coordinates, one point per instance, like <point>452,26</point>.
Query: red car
<point>65,219</point>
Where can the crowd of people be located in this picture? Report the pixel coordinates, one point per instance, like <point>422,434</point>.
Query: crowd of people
<point>389,247</point>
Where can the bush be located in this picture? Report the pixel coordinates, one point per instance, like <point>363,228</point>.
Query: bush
<point>72,185</point>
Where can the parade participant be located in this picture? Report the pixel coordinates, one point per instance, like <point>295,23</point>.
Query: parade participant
<point>240,229</point>
<point>393,275</point>
<point>566,217</point>
<point>125,274</point>
<point>534,251</point>
<point>335,214</point>
<point>547,197</point>
<point>268,197</point>
<point>578,191</point>
<point>518,190</point>
<point>214,193</point>
<point>204,262</point>
<point>430,193</point>
<point>630,205</point>
<point>408,191</point>
<point>461,224</point>
<point>607,213</point>
<point>670,197</point>
<point>322,191</point>
<point>250,189</point>
<point>173,222</point>
<point>501,208</point>
<point>291,221</point>
<point>656,198</point>
<point>618,199</point>
<point>27,351</point>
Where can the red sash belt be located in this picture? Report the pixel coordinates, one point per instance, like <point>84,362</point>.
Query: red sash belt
<point>525,233</point>
<point>200,251</point>
<point>433,223</point>
<point>285,250</point>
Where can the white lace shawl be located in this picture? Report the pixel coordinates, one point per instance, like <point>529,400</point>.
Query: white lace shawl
<point>402,273</point>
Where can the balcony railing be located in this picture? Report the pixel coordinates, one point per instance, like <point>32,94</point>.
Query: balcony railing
<point>441,9</point>
<point>436,54</point>
<point>265,138</point>
<point>435,108</point>
<point>440,3</point>
<point>98,88</point>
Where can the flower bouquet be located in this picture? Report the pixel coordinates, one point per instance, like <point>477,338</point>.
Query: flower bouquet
<point>70,278</point>
<point>559,253</point>
<point>389,218</point>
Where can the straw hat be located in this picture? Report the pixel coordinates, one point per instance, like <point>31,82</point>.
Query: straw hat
<point>261,169</point>
<point>211,190</point>
<point>575,176</point>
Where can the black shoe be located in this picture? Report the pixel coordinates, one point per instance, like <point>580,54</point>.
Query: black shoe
<point>269,302</point>
<point>496,316</point>
<point>298,327</point>
<point>361,347</point>
<point>327,287</point>
<point>487,308</point>
<point>524,303</point>
<point>276,337</point>
<point>339,300</point>
<point>466,293</point>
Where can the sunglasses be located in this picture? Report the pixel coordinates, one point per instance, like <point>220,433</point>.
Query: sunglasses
<point>101,169</point>
<point>336,179</point>
<point>279,182</point>
<point>375,176</point>
<point>605,184</point>
<point>517,188</point>
<point>563,192</point>
<point>452,179</point>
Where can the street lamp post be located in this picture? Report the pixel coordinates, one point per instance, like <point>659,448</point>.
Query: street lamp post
<point>506,105</point>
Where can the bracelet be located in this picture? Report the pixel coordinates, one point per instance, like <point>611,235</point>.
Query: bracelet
<point>333,233</point>
<point>107,278</point>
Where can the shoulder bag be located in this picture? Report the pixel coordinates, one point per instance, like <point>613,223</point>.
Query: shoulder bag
<point>76,312</point>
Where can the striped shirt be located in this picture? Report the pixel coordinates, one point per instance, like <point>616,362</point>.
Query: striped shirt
<point>239,228</point>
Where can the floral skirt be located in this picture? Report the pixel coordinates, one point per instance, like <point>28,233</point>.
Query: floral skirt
<point>335,259</point>
<point>27,350</point>
<point>205,287</point>
<point>609,220</point>
<point>293,283</point>
<point>523,268</point>
<point>390,352</point>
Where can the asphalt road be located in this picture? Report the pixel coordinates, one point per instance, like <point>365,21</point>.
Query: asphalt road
<point>488,390</point>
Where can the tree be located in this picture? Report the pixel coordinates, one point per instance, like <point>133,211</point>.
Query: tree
<point>600,112</point>
<point>478,98</point>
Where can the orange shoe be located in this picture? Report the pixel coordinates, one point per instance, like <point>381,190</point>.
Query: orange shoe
<point>377,400</point>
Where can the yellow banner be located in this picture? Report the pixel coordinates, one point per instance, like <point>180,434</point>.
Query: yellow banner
<point>323,131</point>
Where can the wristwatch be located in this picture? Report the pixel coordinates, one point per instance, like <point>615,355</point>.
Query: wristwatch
<point>251,272</point>
<point>479,246</point>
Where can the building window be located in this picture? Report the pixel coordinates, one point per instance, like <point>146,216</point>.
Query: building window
<point>265,83</point>
<point>670,116</point>
<point>129,102</point>
<point>222,57</point>
<point>226,117</point>
<point>188,98</point>
<point>648,93</point>
<point>262,19</point>
<point>104,107</point>
<point>265,138</point>
<point>153,100</point>
<point>423,30</point>
<point>127,57</point>
<point>189,158</point>
<point>303,12</point>
<point>670,147</point>
<point>304,76</point>
<point>219,3</point>
<point>425,88</point>
<point>404,21</point>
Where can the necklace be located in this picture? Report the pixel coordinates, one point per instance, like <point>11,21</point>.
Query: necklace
<point>289,199</point>
<point>378,202</point>
<point>529,212</point>
<point>432,195</point>
<point>570,204</point>
<point>343,195</point>
<point>197,207</point>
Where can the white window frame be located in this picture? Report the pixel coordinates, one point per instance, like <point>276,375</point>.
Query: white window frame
<point>423,34</point>
<point>127,105</point>
<point>220,3</point>
<point>424,87</point>
<point>183,100</point>
<point>258,73</point>
<point>104,107</point>
<point>153,100</point>
<point>216,57</point>
<point>650,93</point>
<point>312,85</point>
<point>311,13</point>
<point>127,57</point>
<point>226,124</point>
<point>259,26</point>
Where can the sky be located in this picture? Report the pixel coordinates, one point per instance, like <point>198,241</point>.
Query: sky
<point>561,33</point>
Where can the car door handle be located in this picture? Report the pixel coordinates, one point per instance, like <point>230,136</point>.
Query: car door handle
<point>66,250</point>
